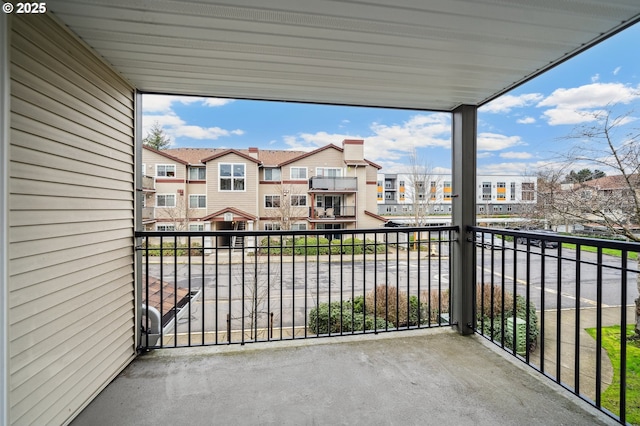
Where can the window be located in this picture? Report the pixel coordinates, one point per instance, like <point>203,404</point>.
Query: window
<point>165,227</point>
<point>197,173</point>
<point>501,191</point>
<point>329,171</point>
<point>165,170</point>
<point>528,191</point>
<point>271,226</point>
<point>196,227</point>
<point>299,226</point>
<point>388,196</point>
<point>298,200</point>
<point>165,200</point>
<point>512,194</point>
<point>298,173</point>
<point>447,190</point>
<point>272,201</point>
<point>486,190</point>
<point>272,173</point>
<point>197,201</point>
<point>232,176</point>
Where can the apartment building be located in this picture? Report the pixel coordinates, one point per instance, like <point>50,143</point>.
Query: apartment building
<point>399,194</point>
<point>201,189</point>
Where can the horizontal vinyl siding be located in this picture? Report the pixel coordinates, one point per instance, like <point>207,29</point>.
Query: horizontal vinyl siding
<point>71,198</point>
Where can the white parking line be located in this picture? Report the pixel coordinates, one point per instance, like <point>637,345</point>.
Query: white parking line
<point>547,290</point>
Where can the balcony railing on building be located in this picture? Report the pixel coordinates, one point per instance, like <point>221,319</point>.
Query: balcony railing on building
<point>333,184</point>
<point>545,299</point>
<point>332,213</point>
<point>148,183</point>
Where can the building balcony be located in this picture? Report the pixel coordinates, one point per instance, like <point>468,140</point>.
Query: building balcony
<point>148,214</point>
<point>535,364</point>
<point>148,183</point>
<point>333,184</point>
<point>332,213</point>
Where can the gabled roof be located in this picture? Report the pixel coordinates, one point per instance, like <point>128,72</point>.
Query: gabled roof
<point>222,153</point>
<point>376,216</point>
<point>166,154</point>
<point>310,153</point>
<point>235,211</point>
<point>613,182</point>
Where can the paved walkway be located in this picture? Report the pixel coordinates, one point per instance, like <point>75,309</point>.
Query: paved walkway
<point>587,352</point>
<point>419,377</point>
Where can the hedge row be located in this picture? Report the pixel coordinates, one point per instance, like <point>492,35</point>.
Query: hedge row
<point>312,246</point>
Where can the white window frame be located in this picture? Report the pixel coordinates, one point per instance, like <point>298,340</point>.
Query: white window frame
<point>165,227</point>
<point>199,226</point>
<point>200,196</point>
<point>306,173</point>
<point>272,226</point>
<point>193,169</point>
<point>272,197</point>
<point>271,178</point>
<point>299,197</point>
<point>166,195</point>
<point>233,178</point>
<point>158,166</point>
<point>299,226</point>
<point>320,171</point>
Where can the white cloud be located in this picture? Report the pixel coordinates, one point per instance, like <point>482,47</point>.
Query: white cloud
<point>497,142</point>
<point>516,155</point>
<point>387,142</point>
<point>526,120</point>
<point>506,103</point>
<point>578,104</point>
<point>159,108</point>
<point>595,78</point>
<point>216,102</point>
<point>617,70</point>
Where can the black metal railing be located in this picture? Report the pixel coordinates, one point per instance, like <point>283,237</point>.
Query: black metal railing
<point>332,212</point>
<point>291,285</point>
<point>549,299</point>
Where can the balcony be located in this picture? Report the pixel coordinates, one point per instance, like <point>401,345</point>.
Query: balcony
<point>332,213</point>
<point>333,184</point>
<point>148,183</point>
<point>370,313</point>
<point>148,214</point>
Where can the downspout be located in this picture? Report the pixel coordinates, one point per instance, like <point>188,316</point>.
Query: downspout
<point>155,325</point>
<point>5,122</point>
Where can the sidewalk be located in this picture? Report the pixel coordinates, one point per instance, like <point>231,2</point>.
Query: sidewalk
<point>587,350</point>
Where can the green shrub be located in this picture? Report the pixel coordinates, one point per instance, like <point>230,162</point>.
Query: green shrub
<point>334,318</point>
<point>169,249</point>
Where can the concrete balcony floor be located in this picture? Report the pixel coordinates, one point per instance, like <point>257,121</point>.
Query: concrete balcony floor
<point>418,377</point>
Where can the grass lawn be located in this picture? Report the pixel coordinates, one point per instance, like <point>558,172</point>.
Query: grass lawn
<point>611,397</point>
<point>610,252</point>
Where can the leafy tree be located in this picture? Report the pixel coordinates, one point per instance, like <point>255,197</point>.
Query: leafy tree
<point>156,138</point>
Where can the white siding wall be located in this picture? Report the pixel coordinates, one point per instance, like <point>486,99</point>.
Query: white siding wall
<point>71,189</point>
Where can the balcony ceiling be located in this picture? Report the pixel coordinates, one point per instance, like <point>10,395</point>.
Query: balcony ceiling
<point>419,54</point>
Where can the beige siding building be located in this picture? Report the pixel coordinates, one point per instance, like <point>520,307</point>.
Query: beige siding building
<point>225,189</point>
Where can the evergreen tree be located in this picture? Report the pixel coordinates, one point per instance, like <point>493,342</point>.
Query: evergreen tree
<point>156,138</point>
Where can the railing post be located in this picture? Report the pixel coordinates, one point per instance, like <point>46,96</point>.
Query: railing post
<point>463,272</point>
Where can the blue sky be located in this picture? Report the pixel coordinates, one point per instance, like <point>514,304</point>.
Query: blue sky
<point>517,133</point>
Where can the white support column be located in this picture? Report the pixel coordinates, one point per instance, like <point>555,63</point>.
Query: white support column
<point>5,122</point>
<point>251,241</point>
<point>463,268</point>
